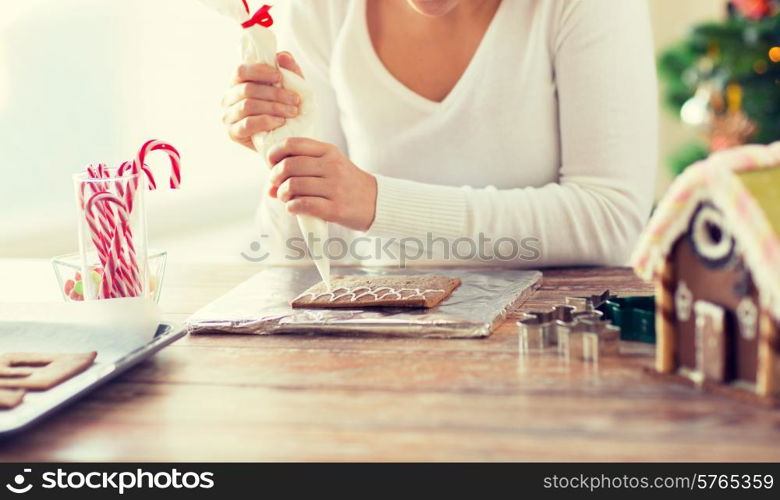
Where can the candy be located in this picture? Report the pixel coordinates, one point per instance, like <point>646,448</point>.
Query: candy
<point>108,210</point>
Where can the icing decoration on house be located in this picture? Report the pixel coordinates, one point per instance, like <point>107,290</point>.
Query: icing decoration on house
<point>713,250</point>
<point>259,45</point>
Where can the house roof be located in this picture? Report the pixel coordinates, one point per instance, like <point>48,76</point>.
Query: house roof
<point>764,185</point>
<point>744,183</point>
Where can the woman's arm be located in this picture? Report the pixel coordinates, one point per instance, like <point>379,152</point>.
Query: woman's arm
<point>605,77</point>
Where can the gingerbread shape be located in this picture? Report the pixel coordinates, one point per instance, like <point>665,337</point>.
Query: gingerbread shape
<point>41,372</point>
<point>378,291</point>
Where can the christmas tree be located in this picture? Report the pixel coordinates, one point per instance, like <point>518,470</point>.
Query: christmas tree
<point>724,79</point>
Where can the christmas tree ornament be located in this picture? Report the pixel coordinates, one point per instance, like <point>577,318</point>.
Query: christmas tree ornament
<point>732,128</point>
<point>754,9</point>
<point>697,111</point>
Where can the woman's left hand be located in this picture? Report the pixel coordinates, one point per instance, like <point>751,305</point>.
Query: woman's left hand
<point>315,178</point>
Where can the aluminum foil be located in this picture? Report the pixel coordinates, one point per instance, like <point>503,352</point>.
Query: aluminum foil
<point>260,306</point>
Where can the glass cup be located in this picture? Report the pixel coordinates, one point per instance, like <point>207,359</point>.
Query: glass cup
<point>113,258</point>
<point>69,272</point>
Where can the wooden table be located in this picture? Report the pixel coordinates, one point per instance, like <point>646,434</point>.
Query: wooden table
<point>355,398</point>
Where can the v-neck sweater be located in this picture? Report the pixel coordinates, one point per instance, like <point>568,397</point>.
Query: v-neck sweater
<point>549,136</point>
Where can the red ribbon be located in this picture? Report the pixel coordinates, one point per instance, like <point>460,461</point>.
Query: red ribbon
<point>261,17</point>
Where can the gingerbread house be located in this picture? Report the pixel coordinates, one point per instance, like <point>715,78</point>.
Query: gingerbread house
<point>713,250</point>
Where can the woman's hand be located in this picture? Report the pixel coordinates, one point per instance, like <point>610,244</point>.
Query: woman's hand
<point>315,178</point>
<point>256,102</point>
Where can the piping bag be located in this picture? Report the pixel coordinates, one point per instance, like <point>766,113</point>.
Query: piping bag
<point>259,45</point>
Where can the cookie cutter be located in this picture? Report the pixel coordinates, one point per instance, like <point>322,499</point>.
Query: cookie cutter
<point>589,303</point>
<point>634,315</point>
<point>537,328</point>
<point>576,327</point>
<point>589,339</point>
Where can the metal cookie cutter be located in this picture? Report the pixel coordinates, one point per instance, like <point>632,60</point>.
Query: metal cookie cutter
<point>576,327</point>
<point>588,339</point>
<point>589,303</point>
<point>540,329</point>
<point>537,329</point>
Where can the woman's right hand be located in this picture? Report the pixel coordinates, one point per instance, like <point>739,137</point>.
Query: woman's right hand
<point>257,102</point>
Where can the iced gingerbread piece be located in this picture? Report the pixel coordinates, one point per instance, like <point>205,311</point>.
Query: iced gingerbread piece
<point>41,372</point>
<point>378,291</point>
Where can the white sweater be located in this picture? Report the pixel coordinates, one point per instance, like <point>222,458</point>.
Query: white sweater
<point>549,139</point>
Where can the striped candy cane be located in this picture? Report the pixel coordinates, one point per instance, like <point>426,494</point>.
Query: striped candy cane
<point>108,215</point>
<point>139,163</point>
<point>122,270</point>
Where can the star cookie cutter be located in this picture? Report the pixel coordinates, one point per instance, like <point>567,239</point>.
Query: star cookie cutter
<point>576,327</point>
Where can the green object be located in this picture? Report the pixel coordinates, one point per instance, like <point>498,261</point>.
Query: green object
<point>79,288</point>
<point>634,315</point>
<point>686,156</point>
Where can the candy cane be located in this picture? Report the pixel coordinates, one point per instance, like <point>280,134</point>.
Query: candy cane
<point>108,217</point>
<point>99,228</point>
<point>173,155</point>
<point>103,229</point>
<point>105,215</point>
<point>122,274</point>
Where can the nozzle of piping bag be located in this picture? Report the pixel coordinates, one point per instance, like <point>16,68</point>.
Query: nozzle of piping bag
<point>313,230</point>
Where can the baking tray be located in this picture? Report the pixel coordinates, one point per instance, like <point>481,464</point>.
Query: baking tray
<point>115,356</point>
<point>260,305</point>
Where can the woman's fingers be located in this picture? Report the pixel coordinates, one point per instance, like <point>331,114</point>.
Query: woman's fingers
<point>298,146</point>
<point>294,166</point>
<point>287,61</point>
<point>297,187</point>
<point>244,129</point>
<point>258,73</point>
<point>312,205</point>
<point>257,107</point>
<point>250,90</point>
<point>257,102</point>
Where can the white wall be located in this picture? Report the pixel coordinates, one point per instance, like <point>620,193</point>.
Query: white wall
<point>88,81</point>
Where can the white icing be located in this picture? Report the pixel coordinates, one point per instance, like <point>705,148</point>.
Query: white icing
<point>378,293</point>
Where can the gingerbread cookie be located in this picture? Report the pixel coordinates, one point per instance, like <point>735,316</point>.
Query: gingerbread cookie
<point>378,291</point>
<point>10,398</point>
<point>40,372</point>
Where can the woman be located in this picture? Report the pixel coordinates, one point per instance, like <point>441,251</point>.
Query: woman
<point>491,120</point>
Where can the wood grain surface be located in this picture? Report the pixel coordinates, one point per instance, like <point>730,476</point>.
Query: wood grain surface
<point>342,398</point>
